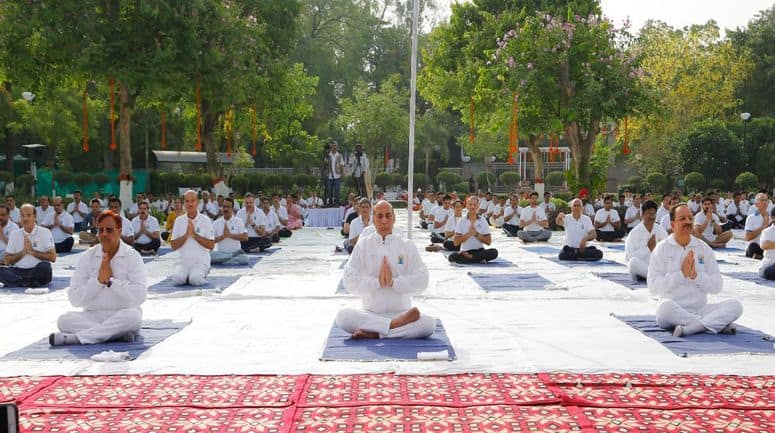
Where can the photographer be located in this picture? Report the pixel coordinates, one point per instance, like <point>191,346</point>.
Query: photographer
<point>360,169</point>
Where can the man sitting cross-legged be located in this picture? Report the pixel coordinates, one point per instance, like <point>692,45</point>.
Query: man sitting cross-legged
<point>578,231</point>
<point>608,224</point>
<point>642,240</point>
<point>441,216</point>
<point>755,223</point>
<point>683,271</point>
<point>147,231</point>
<point>61,225</point>
<point>707,226</point>
<point>385,270</point>
<point>29,253</point>
<point>193,236</point>
<point>472,233</point>
<point>359,225</point>
<point>449,230</point>
<point>255,224</point>
<point>511,216</point>
<point>230,232</point>
<point>533,222</point>
<point>767,244</point>
<point>109,284</point>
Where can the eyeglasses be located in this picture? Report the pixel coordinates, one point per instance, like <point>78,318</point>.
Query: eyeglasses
<point>106,229</point>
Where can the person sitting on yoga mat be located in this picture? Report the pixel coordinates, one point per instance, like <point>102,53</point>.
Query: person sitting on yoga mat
<point>175,210</point>
<point>229,232</point>
<point>258,239</point>
<point>578,231</point>
<point>498,210</point>
<point>756,222</point>
<point>533,222</point>
<point>29,253</point>
<point>441,216</point>
<point>707,226</point>
<point>109,284</point>
<point>608,224</point>
<point>642,240</point>
<point>6,227</point>
<point>127,233</point>
<point>385,270</point>
<point>88,236</point>
<point>146,229</point>
<point>634,214</point>
<point>767,244</point>
<point>193,235</point>
<point>271,221</point>
<point>683,271</point>
<point>62,226</point>
<point>449,230</point>
<point>511,216</point>
<point>359,224</point>
<point>471,234</point>
<point>281,213</point>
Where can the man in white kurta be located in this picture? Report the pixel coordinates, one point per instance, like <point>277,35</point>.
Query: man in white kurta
<point>511,215</point>
<point>230,232</point>
<point>360,223</point>
<point>641,242</point>
<point>29,253</point>
<point>757,220</point>
<point>534,222</point>
<point>109,285</point>
<point>146,231</point>
<point>441,216</point>
<point>578,232</point>
<point>767,243</point>
<point>385,270</point>
<point>707,226</point>
<point>683,271</point>
<point>6,228</point>
<point>62,226</point>
<point>193,236</point>
<point>472,233</point>
<point>608,224</point>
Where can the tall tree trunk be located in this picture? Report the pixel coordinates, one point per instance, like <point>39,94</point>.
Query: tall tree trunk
<point>538,157</point>
<point>581,148</point>
<point>211,142</point>
<point>126,104</point>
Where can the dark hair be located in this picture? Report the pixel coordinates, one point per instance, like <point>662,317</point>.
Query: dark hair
<point>114,199</point>
<point>447,197</point>
<point>534,193</point>
<point>77,191</point>
<point>95,200</point>
<point>608,198</point>
<point>707,199</point>
<point>109,214</point>
<point>648,204</point>
<point>667,194</point>
<point>772,212</point>
<point>674,209</point>
<point>228,199</point>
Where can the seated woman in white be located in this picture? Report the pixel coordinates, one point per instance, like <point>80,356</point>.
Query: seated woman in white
<point>109,284</point>
<point>385,270</point>
<point>683,271</point>
<point>642,240</point>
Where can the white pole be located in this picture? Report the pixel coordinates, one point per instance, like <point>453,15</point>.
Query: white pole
<point>412,102</point>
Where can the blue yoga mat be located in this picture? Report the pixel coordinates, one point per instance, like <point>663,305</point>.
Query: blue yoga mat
<point>752,277</point>
<point>616,247</point>
<point>267,252</point>
<point>542,249</point>
<point>214,282</point>
<point>57,283</point>
<point>573,263</point>
<point>497,263</point>
<point>162,251</point>
<point>728,250</point>
<point>621,278</point>
<point>340,347</point>
<point>252,260</point>
<point>151,333</point>
<point>509,282</point>
<point>745,341</point>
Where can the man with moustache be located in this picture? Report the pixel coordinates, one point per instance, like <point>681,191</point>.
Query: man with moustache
<point>193,236</point>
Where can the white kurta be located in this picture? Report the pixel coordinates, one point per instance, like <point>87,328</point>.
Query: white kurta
<point>441,215</point>
<point>111,311</point>
<point>379,305</point>
<point>41,239</point>
<point>194,261</point>
<point>472,243</point>
<point>685,300</point>
<point>636,250</point>
<point>768,260</point>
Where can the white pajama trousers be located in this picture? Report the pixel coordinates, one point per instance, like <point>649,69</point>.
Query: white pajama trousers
<point>193,274</point>
<point>714,317</point>
<point>98,326</point>
<point>638,267</point>
<point>353,319</point>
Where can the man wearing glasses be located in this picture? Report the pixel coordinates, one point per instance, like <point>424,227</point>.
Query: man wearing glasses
<point>109,284</point>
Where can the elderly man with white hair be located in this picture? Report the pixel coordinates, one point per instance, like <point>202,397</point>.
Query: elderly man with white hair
<point>194,237</point>
<point>578,231</point>
<point>755,223</point>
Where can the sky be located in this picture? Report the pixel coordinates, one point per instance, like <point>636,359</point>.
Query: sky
<point>677,13</point>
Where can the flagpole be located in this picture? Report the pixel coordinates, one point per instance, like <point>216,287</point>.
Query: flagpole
<point>412,103</point>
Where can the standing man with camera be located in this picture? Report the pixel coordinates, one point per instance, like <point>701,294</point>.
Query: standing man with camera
<point>361,172</point>
<point>334,170</point>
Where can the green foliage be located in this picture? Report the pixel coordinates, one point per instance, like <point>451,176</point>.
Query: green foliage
<point>63,177</point>
<point>448,179</point>
<point>555,178</point>
<point>747,181</point>
<point>256,182</point>
<point>23,182</point>
<point>306,180</point>
<point>765,164</point>
<point>712,149</point>
<point>485,180</point>
<point>719,184</point>
<point>636,182</point>
<point>657,182</point>
<point>460,188</point>
<point>510,178</point>
<point>563,195</point>
<point>695,181</point>
<point>82,179</point>
<point>101,179</point>
<point>272,182</point>
<point>196,180</point>
<point>383,180</point>
<point>399,180</point>
<point>758,92</point>
<point>239,183</point>
<point>421,180</point>
<point>561,204</point>
<point>6,176</point>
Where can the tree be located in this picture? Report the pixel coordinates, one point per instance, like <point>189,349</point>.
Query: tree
<point>711,149</point>
<point>758,91</point>
<point>657,182</point>
<point>747,181</point>
<point>694,181</point>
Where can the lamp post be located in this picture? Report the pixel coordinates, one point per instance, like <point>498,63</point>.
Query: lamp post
<point>746,117</point>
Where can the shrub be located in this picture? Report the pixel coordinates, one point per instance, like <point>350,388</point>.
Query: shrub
<point>636,182</point>
<point>23,182</point>
<point>82,179</point>
<point>6,176</point>
<point>285,182</point>
<point>239,183</point>
<point>510,178</point>
<point>718,184</point>
<point>256,182</point>
<point>399,179</point>
<point>747,181</point>
<point>271,182</point>
<point>101,179</point>
<point>421,180</point>
<point>62,177</point>
<point>694,181</point>
<point>657,182</point>
<point>448,180</point>
<point>484,180</point>
<point>564,195</point>
<point>555,178</point>
<point>459,188</point>
<point>383,180</point>
<point>306,180</point>
<point>561,205</point>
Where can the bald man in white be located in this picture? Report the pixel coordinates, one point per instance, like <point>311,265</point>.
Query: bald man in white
<point>385,270</point>
<point>194,237</point>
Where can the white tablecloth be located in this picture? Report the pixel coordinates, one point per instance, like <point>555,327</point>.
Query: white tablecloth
<point>328,217</point>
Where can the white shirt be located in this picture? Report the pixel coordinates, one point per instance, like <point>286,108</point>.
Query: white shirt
<point>498,210</point>
<point>700,219</point>
<point>511,215</point>
<point>547,207</point>
<point>361,274</point>
<point>666,280</point>
<point>768,234</point>
<point>636,244</point>
<point>632,212</point>
<point>333,161</point>
<point>602,215</point>
<point>66,220</point>
<point>472,243</point>
<point>484,205</point>
<point>270,220</point>
<point>694,206</point>
<point>576,229</point>
<point>256,218</point>
<point>452,222</point>
<point>15,216</point>
<point>212,208</point>
<point>427,206</point>
<point>661,212</point>
<point>41,240</point>
<point>732,210</point>
<point>9,227</point>
<point>83,207</point>
<point>753,222</point>
<point>527,215</point>
<point>350,210</point>
<point>440,215</point>
<point>126,227</point>
<point>589,210</point>
<point>41,215</point>
<point>128,286</point>
<point>665,222</point>
<point>281,213</point>
<point>192,252</point>
<point>356,228</point>
<point>236,227</point>
<point>314,202</point>
<point>151,225</point>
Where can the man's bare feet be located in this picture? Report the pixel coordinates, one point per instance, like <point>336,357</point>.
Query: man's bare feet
<point>363,335</point>
<point>411,315</point>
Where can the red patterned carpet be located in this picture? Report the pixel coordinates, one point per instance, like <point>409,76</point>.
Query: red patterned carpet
<point>556,402</point>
